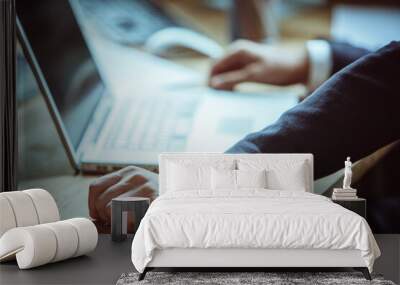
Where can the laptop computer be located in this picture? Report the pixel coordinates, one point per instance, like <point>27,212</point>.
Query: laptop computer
<point>102,131</point>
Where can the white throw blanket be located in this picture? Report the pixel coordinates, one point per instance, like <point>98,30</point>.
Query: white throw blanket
<point>250,219</point>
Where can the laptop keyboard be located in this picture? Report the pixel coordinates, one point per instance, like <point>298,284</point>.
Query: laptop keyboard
<point>151,124</point>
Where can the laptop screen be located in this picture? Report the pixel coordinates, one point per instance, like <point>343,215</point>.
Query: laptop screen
<point>65,61</point>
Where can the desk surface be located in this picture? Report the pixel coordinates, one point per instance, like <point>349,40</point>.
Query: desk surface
<point>102,266</point>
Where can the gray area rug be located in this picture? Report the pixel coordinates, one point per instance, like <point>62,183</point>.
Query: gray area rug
<point>225,278</point>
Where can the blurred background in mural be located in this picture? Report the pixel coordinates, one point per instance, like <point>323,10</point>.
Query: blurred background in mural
<point>127,79</point>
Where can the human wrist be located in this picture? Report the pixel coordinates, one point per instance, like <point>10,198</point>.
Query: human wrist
<point>293,66</point>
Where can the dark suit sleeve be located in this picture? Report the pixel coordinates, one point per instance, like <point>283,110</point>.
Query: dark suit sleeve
<point>344,54</point>
<point>352,114</point>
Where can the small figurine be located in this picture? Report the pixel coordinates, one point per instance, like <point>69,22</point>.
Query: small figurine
<point>347,174</point>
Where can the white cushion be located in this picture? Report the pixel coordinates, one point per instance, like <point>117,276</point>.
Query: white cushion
<point>26,208</point>
<point>291,179</point>
<point>66,237</point>
<point>23,208</point>
<point>40,244</point>
<point>251,178</point>
<point>236,179</point>
<point>183,178</point>
<point>187,175</point>
<point>281,174</point>
<point>7,218</point>
<point>45,205</point>
<point>87,234</point>
<point>34,244</point>
<point>281,167</point>
<point>223,179</point>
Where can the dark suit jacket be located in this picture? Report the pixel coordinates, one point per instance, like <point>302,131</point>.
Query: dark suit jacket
<point>352,114</point>
<point>344,54</point>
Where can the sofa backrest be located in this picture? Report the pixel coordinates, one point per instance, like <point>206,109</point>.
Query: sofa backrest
<point>285,167</point>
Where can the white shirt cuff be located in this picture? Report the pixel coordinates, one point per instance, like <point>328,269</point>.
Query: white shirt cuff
<point>320,62</point>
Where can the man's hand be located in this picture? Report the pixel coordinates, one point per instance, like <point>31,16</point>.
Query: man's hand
<point>128,182</point>
<point>251,62</point>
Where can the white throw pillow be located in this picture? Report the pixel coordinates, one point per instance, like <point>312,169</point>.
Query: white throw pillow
<point>188,174</point>
<point>223,179</point>
<point>281,174</point>
<point>290,179</point>
<point>251,178</point>
<point>184,177</point>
